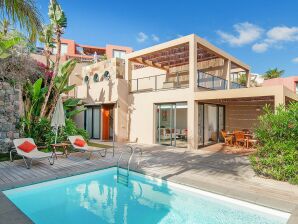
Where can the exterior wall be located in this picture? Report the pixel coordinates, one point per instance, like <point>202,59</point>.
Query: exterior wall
<point>111,48</point>
<point>107,91</point>
<point>114,66</point>
<point>289,82</point>
<point>113,91</point>
<point>141,112</point>
<point>244,115</point>
<point>10,111</point>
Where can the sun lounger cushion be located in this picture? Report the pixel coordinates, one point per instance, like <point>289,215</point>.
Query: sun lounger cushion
<point>27,146</point>
<point>79,142</point>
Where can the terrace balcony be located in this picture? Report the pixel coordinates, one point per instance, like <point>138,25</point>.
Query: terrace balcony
<point>204,67</point>
<point>158,82</point>
<point>212,82</point>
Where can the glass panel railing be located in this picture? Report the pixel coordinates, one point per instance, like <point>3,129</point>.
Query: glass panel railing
<point>157,82</point>
<point>208,81</point>
<point>235,85</point>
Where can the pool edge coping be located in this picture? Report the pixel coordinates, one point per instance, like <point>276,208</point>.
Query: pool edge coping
<point>293,218</point>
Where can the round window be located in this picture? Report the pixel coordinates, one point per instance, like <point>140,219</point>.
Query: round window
<point>106,75</point>
<point>96,77</point>
<point>86,79</point>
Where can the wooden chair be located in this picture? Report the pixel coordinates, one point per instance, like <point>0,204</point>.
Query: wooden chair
<point>240,138</point>
<point>228,139</point>
<point>246,131</point>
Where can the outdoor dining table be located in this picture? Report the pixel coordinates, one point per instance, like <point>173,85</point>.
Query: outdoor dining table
<point>246,136</point>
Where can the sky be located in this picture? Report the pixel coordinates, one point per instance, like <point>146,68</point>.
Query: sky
<point>261,33</point>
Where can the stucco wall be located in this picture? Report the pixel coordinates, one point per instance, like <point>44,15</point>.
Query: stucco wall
<point>141,113</point>
<point>289,82</point>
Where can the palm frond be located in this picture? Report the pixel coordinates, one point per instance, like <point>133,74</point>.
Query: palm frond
<point>25,13</point>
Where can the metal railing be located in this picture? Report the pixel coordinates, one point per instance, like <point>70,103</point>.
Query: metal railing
<point>157,82</point>
<point>209,81</point>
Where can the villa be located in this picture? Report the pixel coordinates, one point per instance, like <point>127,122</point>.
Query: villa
<point>180,93</point>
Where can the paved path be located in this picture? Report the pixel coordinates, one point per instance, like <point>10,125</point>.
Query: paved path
<point>207,169</point>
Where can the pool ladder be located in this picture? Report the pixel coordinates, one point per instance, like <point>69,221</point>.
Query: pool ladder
<point>123,178</point>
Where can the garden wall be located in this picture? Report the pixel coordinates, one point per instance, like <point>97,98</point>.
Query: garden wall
<point>10,111</point>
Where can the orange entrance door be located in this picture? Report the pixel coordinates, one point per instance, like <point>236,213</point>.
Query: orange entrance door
<point>105,122</point>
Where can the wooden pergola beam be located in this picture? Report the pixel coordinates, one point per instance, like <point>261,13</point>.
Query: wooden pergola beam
<point>151,64</point>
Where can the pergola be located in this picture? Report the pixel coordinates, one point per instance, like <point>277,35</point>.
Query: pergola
<point>176,53</point>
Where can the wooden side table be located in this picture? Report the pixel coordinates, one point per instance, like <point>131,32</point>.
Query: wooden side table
<point>60,145</point>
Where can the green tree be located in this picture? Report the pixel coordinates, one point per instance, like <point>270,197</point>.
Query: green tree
<point>59,23</point>
<point>273,73</point>
<point>23,12</point>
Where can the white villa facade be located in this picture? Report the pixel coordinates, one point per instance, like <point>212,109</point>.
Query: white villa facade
<point>181,93</point>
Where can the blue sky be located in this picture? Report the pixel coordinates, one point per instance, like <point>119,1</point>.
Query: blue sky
<point>261,33</point>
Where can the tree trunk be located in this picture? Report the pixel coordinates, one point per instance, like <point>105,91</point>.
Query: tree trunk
<point>56,67</point>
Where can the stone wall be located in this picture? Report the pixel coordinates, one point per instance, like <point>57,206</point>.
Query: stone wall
<point>10,104</point>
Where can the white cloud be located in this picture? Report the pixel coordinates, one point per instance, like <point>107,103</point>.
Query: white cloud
<point>295,60</point>
<point>282,33</point>
<point>155,38</point>
<point>142,37</point>
<point>276,36</point>
<point>246,33</point>
<point>260,47</point>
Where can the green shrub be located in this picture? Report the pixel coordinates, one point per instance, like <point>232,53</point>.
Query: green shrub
<point>43,133</point>
<point>277,154</point>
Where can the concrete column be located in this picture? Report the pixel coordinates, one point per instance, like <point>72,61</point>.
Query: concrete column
<point>193,63</point>
<point>227,71</point>
<point>128,71</point>
<point>192,113</point>
<point>247,78</point>
<point>279,98</point>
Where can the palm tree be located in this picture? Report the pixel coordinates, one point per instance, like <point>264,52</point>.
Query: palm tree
<point>5,27</point>
<point>273,73</point>
<point>25,13</point>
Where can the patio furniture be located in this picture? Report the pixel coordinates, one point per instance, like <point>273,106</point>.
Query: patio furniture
<point>26,148</point>
<point>227,138</point>
<point>79,144</point>
<point>60,145</point>
<point>240,138</point>
<point>250,140</point>
<point>246,131</point>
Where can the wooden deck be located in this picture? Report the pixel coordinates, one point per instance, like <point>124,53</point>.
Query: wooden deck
<point>13,174</point>
<point>208,169</point>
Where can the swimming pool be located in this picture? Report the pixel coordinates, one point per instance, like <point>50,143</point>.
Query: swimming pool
<point>97,198</point>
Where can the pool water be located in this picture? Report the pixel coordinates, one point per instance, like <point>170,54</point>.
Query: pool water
<point>97,198</point>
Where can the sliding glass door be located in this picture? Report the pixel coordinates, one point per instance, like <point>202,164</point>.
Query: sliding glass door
<point>211,122</point>
<point>93,121</point>
<point>171,124</point>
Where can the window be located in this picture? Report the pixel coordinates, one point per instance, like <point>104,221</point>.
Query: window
<point>64,49</point>
<point>118,54</point>
<point>297,88</point>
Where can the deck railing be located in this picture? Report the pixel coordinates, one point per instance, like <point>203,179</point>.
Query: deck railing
<point>235,85</point>
<point>212,82</point>
<point>156,82</point>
